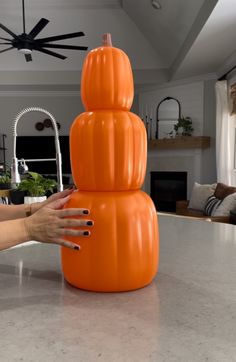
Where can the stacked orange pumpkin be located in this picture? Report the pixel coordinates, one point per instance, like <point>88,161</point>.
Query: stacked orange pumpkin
<point>108,150</point>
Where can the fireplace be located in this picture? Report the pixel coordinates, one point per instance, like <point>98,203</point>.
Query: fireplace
<point>168,187</point>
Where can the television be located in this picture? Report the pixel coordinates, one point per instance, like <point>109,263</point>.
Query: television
<point>34,147</point>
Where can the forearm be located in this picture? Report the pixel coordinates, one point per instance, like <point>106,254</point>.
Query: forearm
<point>13,232</point>
<point>11,212</point>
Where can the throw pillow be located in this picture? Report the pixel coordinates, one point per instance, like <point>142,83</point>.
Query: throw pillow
<point>211,205</point>
<point>223,190</point>
<point>228,204</point>
<point>200,195</point>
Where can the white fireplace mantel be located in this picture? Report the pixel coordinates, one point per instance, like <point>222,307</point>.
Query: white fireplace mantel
<point>182,160</point>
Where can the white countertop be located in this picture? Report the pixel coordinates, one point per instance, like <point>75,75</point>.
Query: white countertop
<point>187,314</point>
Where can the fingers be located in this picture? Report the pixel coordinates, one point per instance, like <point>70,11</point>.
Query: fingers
<point>61,194</point>
<point>73,232</point>
<point>64,193</point>
<point>67,227</point>
<point>73,212</point>
<point>73,223</point>
<point>58,204</point>
<point>68,244</point>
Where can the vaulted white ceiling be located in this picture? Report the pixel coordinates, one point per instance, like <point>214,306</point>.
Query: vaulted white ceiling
<point>185,38</point>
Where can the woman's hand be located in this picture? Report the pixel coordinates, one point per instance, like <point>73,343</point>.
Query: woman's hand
<point>51,223</point>
<point>57,196</point>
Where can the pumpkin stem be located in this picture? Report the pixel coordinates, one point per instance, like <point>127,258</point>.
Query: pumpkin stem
<point>106,40</point>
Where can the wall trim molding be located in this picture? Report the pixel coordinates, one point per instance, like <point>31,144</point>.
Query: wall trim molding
<point>69,4</point>
<point>35,93</point>
<point>140,88</point>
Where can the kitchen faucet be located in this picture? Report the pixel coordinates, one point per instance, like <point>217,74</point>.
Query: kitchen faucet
<point>15,175</point>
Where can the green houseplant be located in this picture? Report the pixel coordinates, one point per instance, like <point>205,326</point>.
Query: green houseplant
<point>185,125</point>
<point>36,186</point>
<point>5,181</point>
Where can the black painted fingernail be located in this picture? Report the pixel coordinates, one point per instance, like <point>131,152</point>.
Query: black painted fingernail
<point>89,223</point>
<point>77,247</point>
<point>85,212</point>
<point>86,233</point>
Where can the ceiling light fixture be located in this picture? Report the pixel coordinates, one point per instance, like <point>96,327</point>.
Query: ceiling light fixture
<point>25,43</point>
<point>156,4</point>
<point>25,51</point>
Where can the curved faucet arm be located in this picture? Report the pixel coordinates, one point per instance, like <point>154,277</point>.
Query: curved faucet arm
<point>34,109</point>
<point>57,144</point>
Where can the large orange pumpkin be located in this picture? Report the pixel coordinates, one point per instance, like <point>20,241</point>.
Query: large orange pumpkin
<point>108,157</point>
<point>108,151</point>
<point>122,251</point>
<point>107,79</point>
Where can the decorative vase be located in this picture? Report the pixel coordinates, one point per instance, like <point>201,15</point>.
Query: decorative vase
<point>108,150</point>
<point>180,131</point>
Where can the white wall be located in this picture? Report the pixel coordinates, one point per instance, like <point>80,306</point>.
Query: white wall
<point>190,96</point>
<point>197,101</point>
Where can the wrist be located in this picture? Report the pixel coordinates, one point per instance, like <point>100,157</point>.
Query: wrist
<point>26,229</point>
<point>35,206</point>
<point>28,210</point>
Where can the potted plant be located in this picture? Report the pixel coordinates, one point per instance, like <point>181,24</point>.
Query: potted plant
<point>184,126</point>
<point>17,196</point>
<point>5,181</point>
<point>35,187</point>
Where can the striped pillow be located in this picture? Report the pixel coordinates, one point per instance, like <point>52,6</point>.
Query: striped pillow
<point>211,205</point>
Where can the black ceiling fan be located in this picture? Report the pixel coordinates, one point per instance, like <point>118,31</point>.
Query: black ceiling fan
<point>26,43</point>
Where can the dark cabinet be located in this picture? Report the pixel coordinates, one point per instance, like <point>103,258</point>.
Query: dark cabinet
<point>2,152</point>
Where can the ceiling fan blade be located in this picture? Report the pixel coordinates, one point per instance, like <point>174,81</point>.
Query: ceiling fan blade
<point>38,27</point>
<point>60,37</point>
<point>5,50</point>
<point>62,46</point>
<point>49,52</point>
<point>28,57</point>
<point>5,39</point>
<point>5,43</point>
<point>8,31</point>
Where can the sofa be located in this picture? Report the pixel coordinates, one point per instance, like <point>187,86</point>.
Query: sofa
<point>212,202</point>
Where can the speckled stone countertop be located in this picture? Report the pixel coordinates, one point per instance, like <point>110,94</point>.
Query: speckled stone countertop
<point>187,314</point>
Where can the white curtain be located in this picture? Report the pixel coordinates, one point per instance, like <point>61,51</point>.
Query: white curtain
<point>224,135</point>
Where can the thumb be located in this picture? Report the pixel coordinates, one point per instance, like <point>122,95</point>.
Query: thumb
<point>58,204</point>
<point>60,195</point>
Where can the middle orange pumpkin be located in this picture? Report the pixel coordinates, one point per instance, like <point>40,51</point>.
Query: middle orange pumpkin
<point>114,139</point>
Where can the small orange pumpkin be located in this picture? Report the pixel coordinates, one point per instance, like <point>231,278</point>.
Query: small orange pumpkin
<point>107,79</point>
<point>108,151</point>
<point>122,252</point>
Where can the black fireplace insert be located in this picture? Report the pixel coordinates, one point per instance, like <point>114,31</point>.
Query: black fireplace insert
<point>167,187</point>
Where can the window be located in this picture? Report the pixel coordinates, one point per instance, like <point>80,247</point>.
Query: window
<point>232,139</point>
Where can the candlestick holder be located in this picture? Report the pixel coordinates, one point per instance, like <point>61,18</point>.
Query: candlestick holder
<point>150,129</point>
